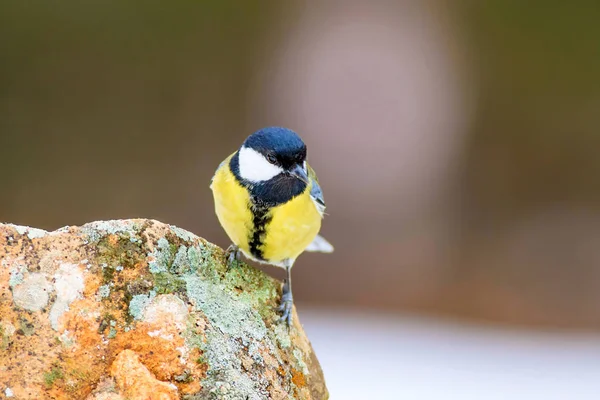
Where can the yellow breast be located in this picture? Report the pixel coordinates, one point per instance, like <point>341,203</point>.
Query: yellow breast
<point>232,206</point>
<point>291,226</point>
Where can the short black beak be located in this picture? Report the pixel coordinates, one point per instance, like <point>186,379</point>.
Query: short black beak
<point>299,173</point>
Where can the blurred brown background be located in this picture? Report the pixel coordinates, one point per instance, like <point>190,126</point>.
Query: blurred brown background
<point>455,141</point>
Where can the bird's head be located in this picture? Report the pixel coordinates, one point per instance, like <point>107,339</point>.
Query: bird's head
<point>272,152</point>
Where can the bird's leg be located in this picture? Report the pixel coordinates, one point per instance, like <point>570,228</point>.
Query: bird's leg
<point>287,300</point>
<point>232,254</point>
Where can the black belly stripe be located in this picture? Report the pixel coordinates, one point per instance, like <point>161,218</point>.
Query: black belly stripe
<point>261,218</point>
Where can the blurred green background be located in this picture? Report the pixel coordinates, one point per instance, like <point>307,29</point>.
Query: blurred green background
<point>456,142</point>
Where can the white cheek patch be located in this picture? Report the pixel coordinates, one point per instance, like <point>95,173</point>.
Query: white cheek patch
<point>254,167</point>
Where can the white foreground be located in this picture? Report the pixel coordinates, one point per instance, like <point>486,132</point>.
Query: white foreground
<point>393,357</point>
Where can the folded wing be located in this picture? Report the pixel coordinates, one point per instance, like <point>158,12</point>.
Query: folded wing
<point>315,192</point>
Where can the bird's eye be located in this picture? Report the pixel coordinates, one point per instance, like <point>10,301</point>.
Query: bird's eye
<point>271,158</point>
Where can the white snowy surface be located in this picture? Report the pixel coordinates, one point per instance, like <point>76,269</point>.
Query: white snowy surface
<point>394,357</point>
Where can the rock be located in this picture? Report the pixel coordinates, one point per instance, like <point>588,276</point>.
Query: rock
<point>137,309</point>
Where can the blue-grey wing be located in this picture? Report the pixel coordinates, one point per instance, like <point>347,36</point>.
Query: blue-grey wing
<point>317,196</point>
<point>319,244</point>
<point>219,167</point>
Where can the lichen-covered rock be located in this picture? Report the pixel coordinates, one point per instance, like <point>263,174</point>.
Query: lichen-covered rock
<point>136,309</point>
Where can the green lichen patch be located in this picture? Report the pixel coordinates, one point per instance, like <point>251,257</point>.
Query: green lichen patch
<point>162,257</point>
<point>195,257</point>
<point>282,335</point>
<point>165,283</point>
<point>181,263</point>
<point>226,378</point>
<point>234,328</point>
<point>194,335</point>
<point>253,287</point>
<point>118,250</point>
<point>104,291</point>
<point>112,333</point>
<point>138,303</point>
<point>232,317</point>
<point>210,268</point>
<point>106,320</point>
<point>171,258</point>
<point>300,361</point>
<point>182,234</point>
<point>108,272</point>
<point>121,259</point>
<point>171,262</point>
<point>189,253</point>
<point>94,231</point>
<point>52,376</point>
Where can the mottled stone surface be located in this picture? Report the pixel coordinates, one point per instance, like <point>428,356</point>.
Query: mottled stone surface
<point>137,309</point>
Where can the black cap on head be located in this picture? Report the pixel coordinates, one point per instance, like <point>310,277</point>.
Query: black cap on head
<point>279,145</point>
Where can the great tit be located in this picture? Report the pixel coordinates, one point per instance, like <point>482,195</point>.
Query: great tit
<point>270,204</point>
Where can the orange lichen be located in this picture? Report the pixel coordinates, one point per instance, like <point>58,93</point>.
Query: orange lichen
<point>161,347</point>
<point>83,360</point>
<point>136,382</point>
<point>298,378</point>
<point>92,283</point>
<point>281,371</point>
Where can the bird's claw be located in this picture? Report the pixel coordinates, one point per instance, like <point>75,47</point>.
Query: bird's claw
<point>286,312</point>
<point>232,255</point>
<point>286,305</point>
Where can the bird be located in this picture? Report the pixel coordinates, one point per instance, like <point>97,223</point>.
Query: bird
<point>269,202</point>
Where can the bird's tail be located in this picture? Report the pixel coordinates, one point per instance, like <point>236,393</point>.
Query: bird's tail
<point>320,244</point>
